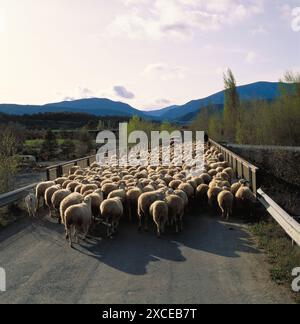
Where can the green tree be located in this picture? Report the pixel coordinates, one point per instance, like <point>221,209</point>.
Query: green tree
<point>49,147</point>
<point>68,148</point>
<point>8,160</point>
<point>231,106</point>
<point>166,126</point>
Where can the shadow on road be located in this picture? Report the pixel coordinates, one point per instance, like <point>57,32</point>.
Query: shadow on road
<point>132,252</point>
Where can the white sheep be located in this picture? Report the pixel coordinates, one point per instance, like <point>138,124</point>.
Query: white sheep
<point>72,199</point>
<point>78,217</point>
<point>31,204</point>
<point>144,203</point>
<point>112,211</point>
<point>57,198</point>
<point>48,196</point>
<point>176,211</point>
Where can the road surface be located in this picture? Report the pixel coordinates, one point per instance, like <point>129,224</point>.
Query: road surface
<point>211,262</point>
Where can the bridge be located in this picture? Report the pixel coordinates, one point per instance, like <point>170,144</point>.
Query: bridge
<point>210,262</point>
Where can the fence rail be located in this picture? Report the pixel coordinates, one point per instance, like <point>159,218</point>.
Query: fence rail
<point>57,171</point>
<point>16,195</point>
<point>242,168</point>
<point>290,225</point>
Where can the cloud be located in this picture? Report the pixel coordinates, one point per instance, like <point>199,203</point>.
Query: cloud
<point>165,71</point>
<point>122,92</point>
<point>163,101</point>
<point>251,57</point>
<point>78,93</point>
<point>259,31</point>
<point>180,19</point>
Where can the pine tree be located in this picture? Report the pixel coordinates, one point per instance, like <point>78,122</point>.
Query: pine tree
<point>231,106</point>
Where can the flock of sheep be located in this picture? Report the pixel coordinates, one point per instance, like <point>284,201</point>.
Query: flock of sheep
<point>164,194</point>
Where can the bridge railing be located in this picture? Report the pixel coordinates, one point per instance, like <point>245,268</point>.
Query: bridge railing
<point>56,171</point>
<point>288,223</point>
<point>16,195</point>
<point>242,168</point>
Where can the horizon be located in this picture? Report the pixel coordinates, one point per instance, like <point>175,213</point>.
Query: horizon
<point>148,54</point>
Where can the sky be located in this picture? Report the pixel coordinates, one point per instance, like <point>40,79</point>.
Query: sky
<point>147,53</point>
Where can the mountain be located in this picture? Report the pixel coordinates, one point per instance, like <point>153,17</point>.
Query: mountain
<point>94,106</point>
<point>106,107</point>
<point>254,91</point>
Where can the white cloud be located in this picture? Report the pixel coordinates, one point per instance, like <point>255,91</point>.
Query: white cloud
<point>165,71</point>
<point>180,19</point>
<point>75,94</point>
<point>251,57</point>
<point>259,31</point>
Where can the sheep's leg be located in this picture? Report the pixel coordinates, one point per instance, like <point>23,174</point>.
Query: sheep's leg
<point>70,236</point>
<point>129,211</point>
<point>140,223</point>
<point>37,203</point>
<point>158,231</point>
<point>146,223</point>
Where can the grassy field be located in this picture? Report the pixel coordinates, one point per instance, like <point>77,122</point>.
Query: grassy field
<point>39,142</point>
<point>282,256</point>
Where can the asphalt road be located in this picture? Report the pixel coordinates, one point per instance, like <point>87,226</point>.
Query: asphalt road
<point>211,262</point>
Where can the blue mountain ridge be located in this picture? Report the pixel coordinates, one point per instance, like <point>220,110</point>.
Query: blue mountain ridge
<point>105,107</point>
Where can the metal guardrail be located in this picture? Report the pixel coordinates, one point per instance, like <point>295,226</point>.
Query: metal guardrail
<point>290,225</point>
<point>242,168</point>
<point>16,195</point>
<point>57,171</point>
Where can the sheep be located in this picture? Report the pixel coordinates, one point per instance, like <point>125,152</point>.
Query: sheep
<point>78,217</point>
<point>40,192</point>
<point>188,189</point>
<point>121,193</point>
<point>112,211</point>
<point>57,198</point>
<point>132,197</point>
<point>235,188</point>
<point>175,184</point>
<point>144,202</point>
<point>246,198</point>
<point>108,188</point>
<point>225,201</point>
<point>183,196</point>
<point>48,196</point>
<point>66,183</point>
<point>206,178</point>
<point>31,202</point>
<point>60,181</point>
<point>78,188</point>
<point>72,199</point>
<point>176,211</point>
<point>201,194</point>
<point>72,185</point>
<point>97,199</point>
<point>159,212</point>
<point>74,169</point>
<point>88,187</point>
<point>212,195</point>
<point>230,173</point>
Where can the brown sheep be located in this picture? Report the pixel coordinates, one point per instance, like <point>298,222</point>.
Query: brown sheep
<point>176,211</point>
<point>225,201</point>
<point>40,192</point>
<point>159,213</point>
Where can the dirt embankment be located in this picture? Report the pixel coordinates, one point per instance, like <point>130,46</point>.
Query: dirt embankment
<point>279,172</point>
